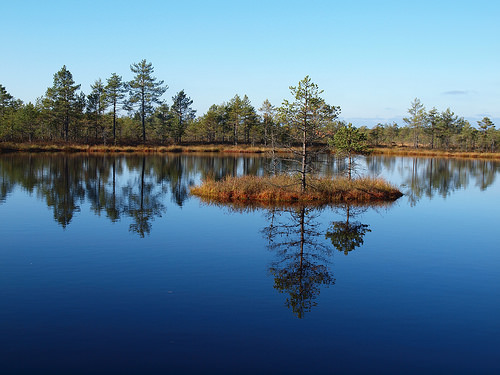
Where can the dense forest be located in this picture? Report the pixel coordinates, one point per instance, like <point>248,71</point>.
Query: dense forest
<point>128,113</point>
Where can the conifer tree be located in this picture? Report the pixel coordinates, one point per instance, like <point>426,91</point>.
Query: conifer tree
<point>115,93</point>
<point>182,113</point>
<point>306,118</point>
<point>96,104</point>
<point>145,91</point>
<point>63,100</point>
<point>417,120</point>
<point>348,141</point>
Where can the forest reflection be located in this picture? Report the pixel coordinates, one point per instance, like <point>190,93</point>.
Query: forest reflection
<point>120,186</point>
<point>133,186</point>
<point>139,187</point>
<point>428,177</point>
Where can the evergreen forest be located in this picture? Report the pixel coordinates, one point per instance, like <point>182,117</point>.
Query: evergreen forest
<point>117,112</point>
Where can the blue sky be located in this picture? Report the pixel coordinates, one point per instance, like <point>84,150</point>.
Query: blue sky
<point>371,58</point>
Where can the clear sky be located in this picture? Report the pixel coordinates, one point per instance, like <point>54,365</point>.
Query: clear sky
<point>371,58</point>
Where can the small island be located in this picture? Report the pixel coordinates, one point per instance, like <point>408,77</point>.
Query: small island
<point>285,189</point>
<point>306,116</point>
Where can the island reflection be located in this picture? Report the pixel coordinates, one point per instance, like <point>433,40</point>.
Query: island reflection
<point>139,187</point>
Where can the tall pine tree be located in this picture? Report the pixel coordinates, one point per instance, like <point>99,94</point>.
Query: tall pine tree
<point>306,118</point>
<point>183,114</point>
<point>145,91</point>
<point>115,93</point>
<point>63,101</point>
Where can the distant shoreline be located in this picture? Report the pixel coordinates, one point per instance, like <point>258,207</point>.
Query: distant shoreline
<point>9,147</point>
<point>431,153</point>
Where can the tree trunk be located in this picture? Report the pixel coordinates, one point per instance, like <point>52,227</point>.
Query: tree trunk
<point>349,168</point>
<point>304,161</point>
<point>114,123</point>
<point>143,117</point>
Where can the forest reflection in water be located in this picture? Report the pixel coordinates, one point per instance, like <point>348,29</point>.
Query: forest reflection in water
<point>303,252</point>
<point>137,187</point>
<point>414,281</point>
<point>133,186</point>
<point>428,177</point>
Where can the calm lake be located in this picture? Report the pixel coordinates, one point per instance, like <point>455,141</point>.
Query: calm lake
<point>109,266</point>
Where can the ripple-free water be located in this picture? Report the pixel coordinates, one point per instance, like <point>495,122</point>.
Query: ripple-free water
<point>107,265</point>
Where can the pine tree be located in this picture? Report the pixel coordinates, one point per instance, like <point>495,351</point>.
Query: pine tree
<point>63,100</point>
<point>235,114</point>
<point>183,114</point>
<point>145,91</point>
<point>115,93</point>
<point>268,113</point>
<point>486,129</point>
<point>96,104</point>
<point>417,120</point>
<point>6,99</point>
<point>6,106</point>
<point>348,141</point>
<point>306,117</point>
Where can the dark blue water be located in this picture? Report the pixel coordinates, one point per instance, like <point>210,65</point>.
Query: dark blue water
<point>107,265</point>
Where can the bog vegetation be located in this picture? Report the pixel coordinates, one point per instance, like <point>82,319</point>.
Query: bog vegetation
<point>117,112</point>
<point>285,189</point>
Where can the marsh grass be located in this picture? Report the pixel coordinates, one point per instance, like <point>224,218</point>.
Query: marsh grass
<point>428,153</point>
<point>68,147</point>
<point>213,148</point>
<point>286,189</point>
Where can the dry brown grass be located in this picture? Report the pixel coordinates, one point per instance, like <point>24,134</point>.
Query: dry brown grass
<point>239,149</point>
<point>286,189</point>
<point>428,153</point>
<point>68,147</point>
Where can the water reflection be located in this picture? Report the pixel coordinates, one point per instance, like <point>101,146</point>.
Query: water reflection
<point>428,177</point>
<point>142,201</point>
<point>139,187</point>
<point>301,268</point>
<point>135,187</point>
<point>303,244</point>
<point>116,187</point>
<point>346,235</point>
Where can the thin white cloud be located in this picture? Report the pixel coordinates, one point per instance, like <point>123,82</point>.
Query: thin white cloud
<point>457,92</point>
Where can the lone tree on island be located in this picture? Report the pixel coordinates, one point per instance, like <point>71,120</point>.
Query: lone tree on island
<point>306,118</point>
<point>144,91</point>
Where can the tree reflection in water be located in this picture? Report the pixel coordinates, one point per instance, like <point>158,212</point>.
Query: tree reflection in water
<point>298,237</point>
<point>65,181</point>
<point>142,202</point>
<point>302,265</point>
<point>347,235</point>
<point>121,187</point>
<point>136,186</point>
<point>437,176</point>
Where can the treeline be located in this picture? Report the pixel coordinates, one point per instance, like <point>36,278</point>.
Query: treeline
<point>120,112</point>
<point>436,130</point>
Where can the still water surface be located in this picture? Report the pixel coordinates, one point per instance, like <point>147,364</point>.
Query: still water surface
<point>107,265</point>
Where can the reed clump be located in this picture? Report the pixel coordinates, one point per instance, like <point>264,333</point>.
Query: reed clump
<point>286,189</point>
